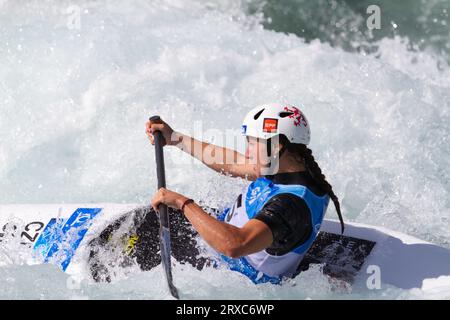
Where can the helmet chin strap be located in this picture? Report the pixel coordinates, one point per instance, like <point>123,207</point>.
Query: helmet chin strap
<point>269,149</point>
<point>269,152</point>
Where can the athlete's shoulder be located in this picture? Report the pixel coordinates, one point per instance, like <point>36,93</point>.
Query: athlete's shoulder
<point>288,217</point>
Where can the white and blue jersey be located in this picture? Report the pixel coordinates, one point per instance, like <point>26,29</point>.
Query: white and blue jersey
<point>261,266</point>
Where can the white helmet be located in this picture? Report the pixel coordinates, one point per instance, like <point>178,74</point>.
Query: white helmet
<point>273,119</point>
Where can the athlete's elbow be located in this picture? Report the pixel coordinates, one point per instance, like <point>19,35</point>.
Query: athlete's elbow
<point>234,246</point>
<point>233,251</point>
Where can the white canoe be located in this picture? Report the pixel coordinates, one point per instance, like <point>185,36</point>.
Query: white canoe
<point>59,234</point>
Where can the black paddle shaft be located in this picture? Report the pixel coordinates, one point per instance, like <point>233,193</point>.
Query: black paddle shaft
<point>160,170</point>
<point>164,230</point>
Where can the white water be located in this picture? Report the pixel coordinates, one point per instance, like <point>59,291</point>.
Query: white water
<point>73,104</point>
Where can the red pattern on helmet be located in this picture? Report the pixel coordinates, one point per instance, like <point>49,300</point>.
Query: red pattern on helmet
<point>297,116</point>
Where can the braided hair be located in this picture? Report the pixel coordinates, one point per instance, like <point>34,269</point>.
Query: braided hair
<point>306,157</point>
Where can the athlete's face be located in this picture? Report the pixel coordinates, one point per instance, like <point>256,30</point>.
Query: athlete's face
<point>256,151</point>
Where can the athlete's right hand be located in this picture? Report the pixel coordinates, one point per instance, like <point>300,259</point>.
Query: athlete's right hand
<point>170,136</point>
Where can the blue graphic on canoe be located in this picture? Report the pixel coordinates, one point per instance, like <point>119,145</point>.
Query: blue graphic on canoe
<point>60,239</point>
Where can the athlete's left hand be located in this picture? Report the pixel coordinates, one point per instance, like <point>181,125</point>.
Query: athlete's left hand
<point>169,198</point>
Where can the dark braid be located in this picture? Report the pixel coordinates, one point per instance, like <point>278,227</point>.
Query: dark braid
<point>314,170</point>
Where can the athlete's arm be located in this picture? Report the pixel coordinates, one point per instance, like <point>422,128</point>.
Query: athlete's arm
<point>227,239</point>
<point>222,160</point>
